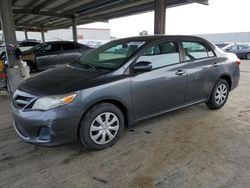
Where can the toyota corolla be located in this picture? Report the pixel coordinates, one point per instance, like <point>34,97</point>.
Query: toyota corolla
<point>118,84</point>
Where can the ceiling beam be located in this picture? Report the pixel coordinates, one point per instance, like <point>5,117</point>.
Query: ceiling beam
<point>30,5</point>
<point>41,13</point>
<point>106,16</point>
<point>14,2</point>
<point>65,5</point>
<point>34,9</point>
<point>204,2</point>
<point>73,11</point>
<point>42,5</point>
<point>97,8</point>
<point>89,12</point>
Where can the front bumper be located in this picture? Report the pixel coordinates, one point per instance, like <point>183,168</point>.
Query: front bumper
<point>53,127</point>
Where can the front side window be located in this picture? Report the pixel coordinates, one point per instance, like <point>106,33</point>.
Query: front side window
<point>111,55</point>
<point>195,50</point>
<point>210,52</point>
<point>162,54</point>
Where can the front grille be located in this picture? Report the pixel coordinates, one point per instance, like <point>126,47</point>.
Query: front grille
<point>21,99</point>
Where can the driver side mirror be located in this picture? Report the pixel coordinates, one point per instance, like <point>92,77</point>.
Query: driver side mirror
<point>143,66</point>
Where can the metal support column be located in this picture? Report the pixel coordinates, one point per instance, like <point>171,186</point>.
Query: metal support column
<point>26,35</point>
<point>43,35</point>
<point>7,23</point>
<point>74,29</point>
<point>160,16</point>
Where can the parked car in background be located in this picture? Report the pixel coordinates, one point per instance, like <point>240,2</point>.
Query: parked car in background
<point>221,44</point>
<point>23,46</point>
<point>92,43</point>
<point>241,50</point>
<point>93,99</point>
<point>26,45</point>
<point>50,54</point>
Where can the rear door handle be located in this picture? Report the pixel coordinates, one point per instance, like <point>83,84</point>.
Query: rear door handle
<point>214,64</point>
<point>180,72</point>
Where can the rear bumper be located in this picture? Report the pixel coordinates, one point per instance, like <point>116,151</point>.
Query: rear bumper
<point>48,128</point>
<point>235,78</point>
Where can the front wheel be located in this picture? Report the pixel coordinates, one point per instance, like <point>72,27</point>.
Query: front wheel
<point>101,126</point>
<point>219,95</point>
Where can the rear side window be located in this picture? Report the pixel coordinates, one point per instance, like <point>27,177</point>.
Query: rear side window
<point>53,47</point>
<point>162,54</point>
<point>69,46</point>
<point>197,50</point>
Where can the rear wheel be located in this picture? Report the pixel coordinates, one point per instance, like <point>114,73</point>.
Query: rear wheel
<point>248,56</point>
<point>219,95</point>
<point>101,126</point>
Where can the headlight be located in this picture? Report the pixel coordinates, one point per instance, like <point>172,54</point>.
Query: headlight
<point>47,103</point>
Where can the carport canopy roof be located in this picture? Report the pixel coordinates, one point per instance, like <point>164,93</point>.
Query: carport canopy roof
<point>37,15</point>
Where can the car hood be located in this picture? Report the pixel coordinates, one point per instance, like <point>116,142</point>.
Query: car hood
<point>61,80</point>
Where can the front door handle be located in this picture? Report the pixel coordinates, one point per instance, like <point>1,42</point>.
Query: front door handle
<point>180,72</point>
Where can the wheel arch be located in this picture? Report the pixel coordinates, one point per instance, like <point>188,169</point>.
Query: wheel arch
<point>227,77</point>
<point>124,109</point>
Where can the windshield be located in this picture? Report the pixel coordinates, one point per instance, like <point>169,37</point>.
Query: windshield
<point>111,55</point>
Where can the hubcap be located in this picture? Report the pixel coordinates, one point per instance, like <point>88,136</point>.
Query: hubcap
<point>221,94</point>
<point>248,56</point>
<point>104,128</point>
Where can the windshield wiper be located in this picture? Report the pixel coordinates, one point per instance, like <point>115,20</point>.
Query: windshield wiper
<point>83,65</point>
<point>89,65</point>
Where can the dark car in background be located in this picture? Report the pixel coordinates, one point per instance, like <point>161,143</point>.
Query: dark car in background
<point>93,99</point>
<point>241,50</point>
<point>50,54</point>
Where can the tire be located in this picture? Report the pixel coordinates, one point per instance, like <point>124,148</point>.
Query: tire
<point>248,56</point>
<point>219,95</point>
<point>32,66</point>
<point>93,124</point>
<point>3,56</point>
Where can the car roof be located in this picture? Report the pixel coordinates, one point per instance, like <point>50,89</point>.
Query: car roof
<point>155,38</point>
<point>50,42</point>
<point>150,38</point>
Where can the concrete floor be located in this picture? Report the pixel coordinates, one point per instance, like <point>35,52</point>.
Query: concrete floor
<point>192,147</point>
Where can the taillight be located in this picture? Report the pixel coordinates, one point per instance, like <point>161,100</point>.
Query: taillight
<point>238,61</point>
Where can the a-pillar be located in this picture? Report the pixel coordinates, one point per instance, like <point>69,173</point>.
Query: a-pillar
<point>26,35</point>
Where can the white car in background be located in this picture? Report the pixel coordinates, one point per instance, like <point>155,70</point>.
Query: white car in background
<point>23,46</point>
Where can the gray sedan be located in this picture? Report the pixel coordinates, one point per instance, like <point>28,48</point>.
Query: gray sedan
<point>52,54</point>
<point>93,99</point>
